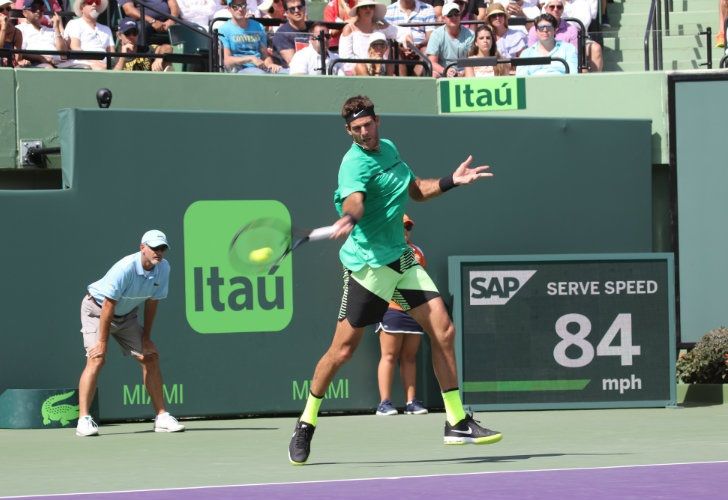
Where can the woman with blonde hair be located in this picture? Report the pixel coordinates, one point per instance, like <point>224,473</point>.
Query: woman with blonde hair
<point>366,18</point>
<point>484,46</point>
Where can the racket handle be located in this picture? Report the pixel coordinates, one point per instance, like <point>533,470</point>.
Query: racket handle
<point>321,233</point>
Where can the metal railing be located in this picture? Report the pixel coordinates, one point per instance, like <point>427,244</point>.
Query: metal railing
<point>708,47</point>
<point>654,31</point>
<point>493,61</point>
<point>724,59</point>
<point>99,56</point>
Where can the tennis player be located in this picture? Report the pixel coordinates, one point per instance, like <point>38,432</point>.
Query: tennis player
<point>374,184</point>
<point>110,309</point>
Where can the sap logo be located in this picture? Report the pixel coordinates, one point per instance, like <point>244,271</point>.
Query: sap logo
<point>495,288</point>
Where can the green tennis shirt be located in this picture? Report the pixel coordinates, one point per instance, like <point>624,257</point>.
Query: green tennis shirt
<point>378,238</point>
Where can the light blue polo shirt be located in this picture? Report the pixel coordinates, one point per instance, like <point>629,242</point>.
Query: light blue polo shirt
<point>130,285</point>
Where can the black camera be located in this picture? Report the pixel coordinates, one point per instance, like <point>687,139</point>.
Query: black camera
<point>103,97</point>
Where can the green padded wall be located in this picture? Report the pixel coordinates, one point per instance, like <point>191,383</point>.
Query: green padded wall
<point>699,150</point>
<point>549,195</point>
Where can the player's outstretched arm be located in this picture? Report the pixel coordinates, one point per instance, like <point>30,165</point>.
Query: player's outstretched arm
<point>424,189</point>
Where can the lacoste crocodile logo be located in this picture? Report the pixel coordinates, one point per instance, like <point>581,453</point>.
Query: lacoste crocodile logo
<point>58,413</point>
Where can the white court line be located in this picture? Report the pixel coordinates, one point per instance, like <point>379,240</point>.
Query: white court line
<point>193,488</point>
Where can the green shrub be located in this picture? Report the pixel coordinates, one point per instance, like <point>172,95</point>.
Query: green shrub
<point>706,362</point>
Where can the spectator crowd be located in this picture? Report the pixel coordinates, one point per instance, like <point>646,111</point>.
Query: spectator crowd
<point>278,37</point>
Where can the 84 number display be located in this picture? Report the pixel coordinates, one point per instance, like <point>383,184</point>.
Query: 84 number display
<point>565,331</point>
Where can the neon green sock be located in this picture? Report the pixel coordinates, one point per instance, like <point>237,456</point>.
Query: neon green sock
<point>310,413</point>
<point>453,406</point>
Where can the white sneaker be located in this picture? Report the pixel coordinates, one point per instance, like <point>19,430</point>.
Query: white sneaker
<point>167,423</point>
<point>87,427</point>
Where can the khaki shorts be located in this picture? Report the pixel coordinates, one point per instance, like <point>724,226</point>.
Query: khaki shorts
<point>126,329</point>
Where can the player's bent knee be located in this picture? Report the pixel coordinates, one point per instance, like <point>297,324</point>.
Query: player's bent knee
<point>345,354</point>
<point>446,336</point>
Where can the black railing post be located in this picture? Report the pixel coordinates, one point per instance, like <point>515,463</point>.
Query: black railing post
<point>323,48</point>
<point>658,47</point>
<point>668,9</point>
<point>142,37</point>
<point>709,47</point>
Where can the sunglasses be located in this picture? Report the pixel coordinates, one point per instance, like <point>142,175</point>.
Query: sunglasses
<point>92,2</point>
<point>238,6</point>
<point>35,8</point>
<point>133,32</point>
<point>160,248</point>
<point>5,9</point>
<point>296,8</point>
<point>544,27</point>
<point>555,7</point>
<point>453,14</point>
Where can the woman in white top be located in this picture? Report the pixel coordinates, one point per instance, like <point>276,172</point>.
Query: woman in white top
<point>367,17</point>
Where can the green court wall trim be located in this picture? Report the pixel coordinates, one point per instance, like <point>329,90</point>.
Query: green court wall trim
<point>577,96</point>
<point>525,385</point>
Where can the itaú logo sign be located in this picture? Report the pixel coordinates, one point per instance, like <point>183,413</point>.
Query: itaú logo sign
<point>218,298</point>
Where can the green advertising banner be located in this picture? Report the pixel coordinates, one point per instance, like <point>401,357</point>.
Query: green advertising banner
<point>565,331</point>
<point>466,95</point>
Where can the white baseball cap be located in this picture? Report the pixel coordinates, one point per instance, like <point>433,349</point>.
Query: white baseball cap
<point>154,238</point>
<point>449,7</point>
<point>377,36</point>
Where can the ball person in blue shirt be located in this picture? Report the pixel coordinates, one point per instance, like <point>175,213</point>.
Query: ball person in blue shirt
<point>110,308</point>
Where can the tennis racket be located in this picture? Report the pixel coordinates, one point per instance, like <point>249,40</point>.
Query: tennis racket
<point>262,245</point>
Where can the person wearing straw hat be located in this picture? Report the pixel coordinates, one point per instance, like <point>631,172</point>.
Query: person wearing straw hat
<point>449,42</point>
<point>366,18</point>
<point>510,42</point>
<point>84,33</point>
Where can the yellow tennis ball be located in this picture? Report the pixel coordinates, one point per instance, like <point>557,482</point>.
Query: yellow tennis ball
<point>260,255</point>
